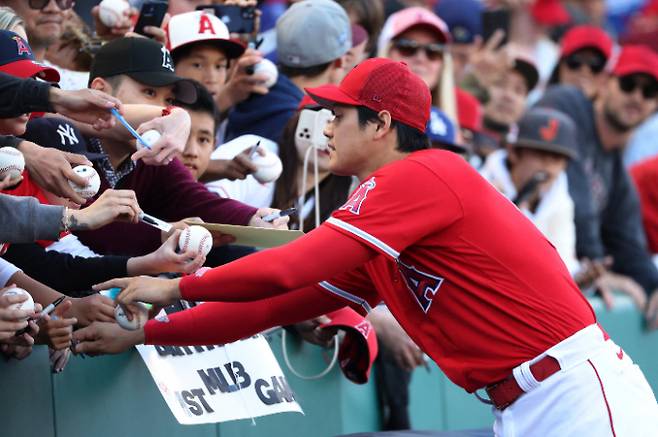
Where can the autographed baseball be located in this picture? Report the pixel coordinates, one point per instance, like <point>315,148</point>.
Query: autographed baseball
<point>195,238</point>
<point>110,12</point>
<point>11,163</point>
<point>140,316</point>
<point>150,137</point>
<point>93,181</point>
<point>27,305</point>
<point>269,167</point>
<point>267,68</point>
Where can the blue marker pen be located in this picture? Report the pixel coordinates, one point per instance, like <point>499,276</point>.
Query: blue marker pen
<point>132,131</point>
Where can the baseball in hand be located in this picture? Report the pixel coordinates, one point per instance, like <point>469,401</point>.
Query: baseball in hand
<point>110,12</point>
<point>93,181</point>
<point>150,137</point>
<point>27,305</point>
<point>267,68</point>
<point>269,167</point>
<point>140,316</point>
<point>12,163</point>
<point>195,238</point>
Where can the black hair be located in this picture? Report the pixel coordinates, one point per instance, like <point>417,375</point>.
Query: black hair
<point>204,103</point>
<point>312,71</point>
<point>410,139</point>
<point>185,51</point>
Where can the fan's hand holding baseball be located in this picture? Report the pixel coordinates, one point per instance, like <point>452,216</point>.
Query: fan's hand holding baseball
<point>166,259</point>
<point>145,289</point>
<point>174,130</point>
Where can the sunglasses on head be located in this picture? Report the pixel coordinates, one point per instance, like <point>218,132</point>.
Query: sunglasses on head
<point>630,83</point>
<point>595,64</point>
<point>40,4</point>
<point>409,48</point>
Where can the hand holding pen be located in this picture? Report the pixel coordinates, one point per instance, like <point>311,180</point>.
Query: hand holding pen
<point>276,215</point>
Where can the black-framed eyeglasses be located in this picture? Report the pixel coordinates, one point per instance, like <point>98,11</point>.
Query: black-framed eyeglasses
<point>631,82</point>
<point>596,64</point>
<point>40,4</point>
<point>409,48</point>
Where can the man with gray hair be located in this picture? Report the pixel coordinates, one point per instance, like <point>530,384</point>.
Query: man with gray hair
<point>312,39</point>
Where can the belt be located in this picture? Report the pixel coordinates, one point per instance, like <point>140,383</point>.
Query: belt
<point>504,393</point>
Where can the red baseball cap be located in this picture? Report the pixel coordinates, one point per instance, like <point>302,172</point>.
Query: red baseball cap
<point>358,349</point>
<point>381,84</point>
<point>469,111</point>
<point>586,37</point>
<point>16,59</point>
<point>636,59</point>
<point>550,12</point>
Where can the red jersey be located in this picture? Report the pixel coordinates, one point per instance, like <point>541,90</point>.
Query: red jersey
<point>644,175</point>
<point>468,276</point>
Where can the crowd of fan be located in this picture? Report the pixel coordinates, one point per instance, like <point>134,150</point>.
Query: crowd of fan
<point>586,177</point>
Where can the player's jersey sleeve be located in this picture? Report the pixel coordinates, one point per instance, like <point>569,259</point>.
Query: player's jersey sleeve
<point>397,206</point>
<point>355,288</point>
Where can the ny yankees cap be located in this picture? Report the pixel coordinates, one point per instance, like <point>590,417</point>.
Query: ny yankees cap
<point>16,59</point>
<point>586,37</point>
<point>201,26</point>
<point>312,32</point>
<point>144,60</point>
<point>637,59</point>
<point>60,134</point>
<point>547,130</point>
<point>381,84</point>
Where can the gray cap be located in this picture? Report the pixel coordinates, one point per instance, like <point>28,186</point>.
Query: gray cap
<point>312,32</point>
<point>548,130</point>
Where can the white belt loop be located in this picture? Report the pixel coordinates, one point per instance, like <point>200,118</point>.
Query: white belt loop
<point>524,377</point>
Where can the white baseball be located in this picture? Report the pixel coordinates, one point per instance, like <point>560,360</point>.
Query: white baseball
<point>267,68</point>
<point>110,12</point>
<point>195,238</point>
<point>150,137</point>
<point>140,316</point>
<point>27,305</point>
<point>12,163</point>
<point>93,181</point>
<point>269,167</point>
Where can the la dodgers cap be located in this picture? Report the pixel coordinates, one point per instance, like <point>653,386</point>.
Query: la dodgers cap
<point>463,18</point>
<point>358,349</point>
<point>144,60</point>
<point>585,37</point>
<point>440,129</point>
<point>547,130</point>
<point>16,59</point>
<point>200,26</point>
<point>312,32</point>
<point>637,59</point>
<point>381,84</point>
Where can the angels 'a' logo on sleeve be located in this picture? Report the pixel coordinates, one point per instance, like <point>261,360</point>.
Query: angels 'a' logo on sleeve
<point>422,285</point>
<point>355,201</point>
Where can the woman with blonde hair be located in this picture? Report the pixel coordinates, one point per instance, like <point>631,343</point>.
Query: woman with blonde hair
<point>9,20</point>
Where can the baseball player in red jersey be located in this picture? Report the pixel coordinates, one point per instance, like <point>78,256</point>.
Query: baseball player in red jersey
<point>469,278</point>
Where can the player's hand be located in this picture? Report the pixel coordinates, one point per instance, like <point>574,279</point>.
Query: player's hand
<point>156,291</point>
<point>406,354</point>
<point>174,130</point>
<point>86,106</point>
<point>92,308</point>
<point>610,282</point>
<point>112,205</point>
<point>56,330</point>
<point>311,331</point>
<point>51,169</point>
<point>12,320</point>
<point>241,84</point>
<point>257,219</point>
<point>166,259</point>
<point>105,338</point>
<point>120,28</point>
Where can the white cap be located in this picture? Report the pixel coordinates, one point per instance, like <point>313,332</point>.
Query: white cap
<point>197,26</point>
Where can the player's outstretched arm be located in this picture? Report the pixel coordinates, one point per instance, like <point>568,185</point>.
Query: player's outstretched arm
<point>319,255</point>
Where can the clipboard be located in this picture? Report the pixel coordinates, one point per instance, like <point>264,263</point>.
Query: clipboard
<point>251,235</point>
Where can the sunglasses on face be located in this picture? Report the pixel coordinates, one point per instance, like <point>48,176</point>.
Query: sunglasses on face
<point>629,84</point>
<point>595,64</point>
<point>409,48</point>
<point>40,4</point>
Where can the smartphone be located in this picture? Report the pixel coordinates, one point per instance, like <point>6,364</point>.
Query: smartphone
<point>152,14</point>
<point>493,20</point>
<point>238,19</point>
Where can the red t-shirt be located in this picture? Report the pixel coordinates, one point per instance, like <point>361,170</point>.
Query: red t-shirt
<point>469,277</point>
<point>645,176</point>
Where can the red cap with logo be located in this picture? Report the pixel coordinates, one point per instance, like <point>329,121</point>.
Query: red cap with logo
<point>586,37</point>
<point>381,84</point>
<point>637,59</point>
<point>358,349</point>
<point>16,59</point>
